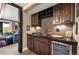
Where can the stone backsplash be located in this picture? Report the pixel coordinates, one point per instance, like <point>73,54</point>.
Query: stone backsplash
<point>48,27</point>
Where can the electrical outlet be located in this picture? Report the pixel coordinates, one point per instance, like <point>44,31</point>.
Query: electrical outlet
<point>57,30</point>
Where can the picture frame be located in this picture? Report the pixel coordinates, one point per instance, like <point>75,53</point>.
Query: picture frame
<point>27,28</point>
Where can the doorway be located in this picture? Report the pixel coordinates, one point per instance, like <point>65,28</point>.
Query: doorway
<point>6,27</point>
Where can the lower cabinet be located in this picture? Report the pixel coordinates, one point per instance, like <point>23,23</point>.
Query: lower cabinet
<point>30,42</point>
<point>44,46</point>
<point>39,45</point>
<point>36,46</point>
<point>44,49</point>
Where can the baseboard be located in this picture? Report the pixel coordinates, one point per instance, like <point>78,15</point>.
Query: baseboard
<point>25,49</point>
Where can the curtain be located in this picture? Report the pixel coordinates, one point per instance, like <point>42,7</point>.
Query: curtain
<point>2,8</point>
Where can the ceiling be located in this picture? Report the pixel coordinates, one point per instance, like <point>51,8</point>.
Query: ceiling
<point>22,4</point>
<point>9,12</point>
<point>41,7</point>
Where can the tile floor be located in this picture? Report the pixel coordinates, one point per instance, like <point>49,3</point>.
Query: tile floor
<point>13,50</point>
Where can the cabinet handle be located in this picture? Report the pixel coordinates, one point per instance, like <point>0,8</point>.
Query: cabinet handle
<point>76,30</point>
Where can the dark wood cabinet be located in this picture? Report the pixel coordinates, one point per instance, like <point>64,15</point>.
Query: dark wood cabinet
<point>46,13</point>
<point>39,45</point>
<point>58,14</point>
<point>69,11</point>
<point>44,46</point>
<point>30,42</point>
<point>63,13</point>
<point>35,21</point>
<point>36,45</point>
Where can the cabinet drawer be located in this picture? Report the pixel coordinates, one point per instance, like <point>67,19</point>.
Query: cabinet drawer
<point>43,40</point>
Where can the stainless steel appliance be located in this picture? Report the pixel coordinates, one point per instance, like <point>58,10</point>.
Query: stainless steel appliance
<point>61,48</point>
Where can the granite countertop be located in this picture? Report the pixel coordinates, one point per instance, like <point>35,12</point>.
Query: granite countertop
<point>70,41</point>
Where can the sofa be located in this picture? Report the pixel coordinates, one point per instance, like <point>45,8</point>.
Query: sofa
<point>2,43</point>
<point>10,39</point>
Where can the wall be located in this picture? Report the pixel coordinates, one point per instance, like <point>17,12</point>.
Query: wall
<point>47,25</point>
<point>76,36</point>
<point>26,21</point>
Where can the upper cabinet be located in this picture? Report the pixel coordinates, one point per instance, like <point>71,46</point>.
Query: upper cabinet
<point>69,11</point>
<point>58,14</point>
<point>63,13</point>
<point>46,13</point>
<point>35,21</point>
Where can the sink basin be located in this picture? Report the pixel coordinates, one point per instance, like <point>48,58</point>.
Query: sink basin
<point>58,36</point>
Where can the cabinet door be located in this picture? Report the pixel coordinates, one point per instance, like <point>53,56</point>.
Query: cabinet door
<point>37,46</point>
<point>69,12</point>
<point>55,15</point>
<point>58,14</point>
<point>30,43</point>
<point>35,20</point>
<point>44,47</point>
<point>61,13</point>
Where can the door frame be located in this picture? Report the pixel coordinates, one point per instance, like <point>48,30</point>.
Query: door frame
<point>20,16</point>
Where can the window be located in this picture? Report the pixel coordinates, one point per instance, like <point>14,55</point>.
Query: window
<point>6,27</point>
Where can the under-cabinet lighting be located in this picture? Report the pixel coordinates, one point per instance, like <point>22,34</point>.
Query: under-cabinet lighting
<point>38,28</point>
<point>61,26</point>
